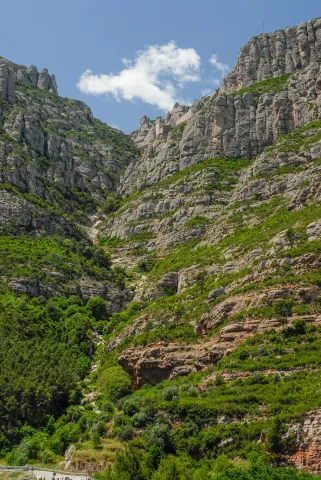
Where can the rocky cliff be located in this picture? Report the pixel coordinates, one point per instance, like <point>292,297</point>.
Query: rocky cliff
<point>220,224</point>
<point>276,54</point>
<point>57,165</point>
<point>52,148</point>
<point>273,89</point>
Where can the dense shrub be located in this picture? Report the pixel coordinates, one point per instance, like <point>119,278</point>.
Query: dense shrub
<point>115,383</point>
<point>131,407</point>
<point>170,393</point>
<point>139,420</point>
<point>161,436</point>
<point>126,433</point>
<point>97,307</point>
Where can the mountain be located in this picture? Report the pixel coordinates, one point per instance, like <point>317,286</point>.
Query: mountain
<point>161,292</point>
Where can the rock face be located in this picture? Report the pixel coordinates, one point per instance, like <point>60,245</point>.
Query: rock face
<point>194,207</point>
<point>57,165</point>
<point>236,124</point>
<point>12,75</point>
<point>308,436</point>
<point>273,55</point>
<point>52,148</point>
<point>157,362</point>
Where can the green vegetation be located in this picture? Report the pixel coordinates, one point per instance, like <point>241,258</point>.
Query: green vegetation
<point>198,220</point>
<point>60,379</point>
<point>297,140</point>
<point>46,343</point>
<point>179,128</point>
<point>265,86</point>
<point>132,464</point>
<point>23,255</point>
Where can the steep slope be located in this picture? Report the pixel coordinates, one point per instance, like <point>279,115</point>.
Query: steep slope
<point>214,231</point>
<point>243,117</point>
<point>57,164</point>
<point>53,149</point>
<point>224,250</point>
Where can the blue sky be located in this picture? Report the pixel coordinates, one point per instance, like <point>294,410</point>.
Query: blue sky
<point>71,36</point>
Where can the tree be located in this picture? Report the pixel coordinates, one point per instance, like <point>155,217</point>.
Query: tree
<point>129,465</point>
<point>283,310</point>
<point>102,258</point>
<point>161,436</point>
<point>171,469</point>
<point>126,433</point>
<point>116,383</point>
<point>96,441</point>
<point>274,439</point>
<point>97,306</point>
<point>291,236</point>
<point>200,280</point>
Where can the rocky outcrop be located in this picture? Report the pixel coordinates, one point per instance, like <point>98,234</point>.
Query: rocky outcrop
<point>308,438</point>
<point>53,149</point>
<point>236,124</point>
<point>7,82</point>
<point>159,361</point>
<point>276,54</point>
<point>12,75</point>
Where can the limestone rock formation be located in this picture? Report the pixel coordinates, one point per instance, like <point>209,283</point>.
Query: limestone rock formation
<point>308,435</point>
<point>12,75</point>
<point>49,141</point>
<point>237,120</point>
<point>276,54</point>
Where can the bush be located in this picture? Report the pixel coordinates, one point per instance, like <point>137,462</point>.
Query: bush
<point>107,406</point>
<point>128,466</point>
<point>99,426</point>
<point>102,258</point>
<point>126,433</point>
<point>139,420</point>
<point>96,441</point>
<point>111,204</point>
<point>97,306</point>
<point>161,436</point>
<point>130,407</point>
<point>299,326</point>
<point>171,469</point>
<point>274,439</point>
<point>115,383</point>
<point>119,421</point>
<point>170,393</point>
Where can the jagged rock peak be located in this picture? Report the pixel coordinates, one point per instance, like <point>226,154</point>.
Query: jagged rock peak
<point>12,75</point>
<point>276,54</point>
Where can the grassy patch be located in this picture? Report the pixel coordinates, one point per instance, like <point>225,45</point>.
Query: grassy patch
<point>196,221</point>
<point>265,86</point>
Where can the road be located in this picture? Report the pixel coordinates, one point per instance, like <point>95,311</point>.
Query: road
<point>46,474</point>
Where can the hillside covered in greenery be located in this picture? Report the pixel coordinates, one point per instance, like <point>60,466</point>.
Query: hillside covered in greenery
<point>160,293</point>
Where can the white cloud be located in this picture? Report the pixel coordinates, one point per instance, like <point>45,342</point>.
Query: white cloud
<point>223,68</point>
<point>153,76</point>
